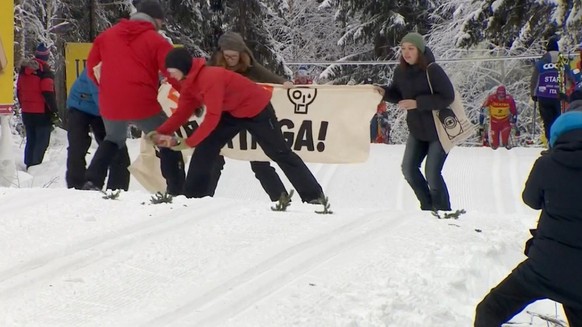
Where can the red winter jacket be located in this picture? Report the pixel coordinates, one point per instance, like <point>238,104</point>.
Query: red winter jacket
<point>132,54</point>
<point>221,91</point>
<point>34,79</point>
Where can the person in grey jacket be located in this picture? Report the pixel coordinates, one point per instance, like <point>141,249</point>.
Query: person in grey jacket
<point>411,91</point>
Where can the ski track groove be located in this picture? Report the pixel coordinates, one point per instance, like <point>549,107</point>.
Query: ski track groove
<point>240,292</point>
<point>400,199</point>
<point>497,181</point>
<point>24,201</point>
<point>84,253</point>
<point>515,184</point>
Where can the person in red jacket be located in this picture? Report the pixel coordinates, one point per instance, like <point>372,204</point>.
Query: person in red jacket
<point>502,115</point>
<point>129,57</point>
<point>233,103</point>
<point>35,91</point>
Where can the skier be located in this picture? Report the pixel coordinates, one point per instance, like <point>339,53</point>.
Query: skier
<point>83,116</point>
<point>233,103</point>
<point>130,56</point>
<point>410,90</point>
<point>553,267</point>
<point>501,112</point>
<point>233,54</point>
<point>545,87</point>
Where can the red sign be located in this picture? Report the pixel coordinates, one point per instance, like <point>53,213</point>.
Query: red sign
<point>5,109</point>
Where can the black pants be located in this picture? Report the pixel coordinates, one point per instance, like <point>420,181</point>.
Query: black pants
<point>38,135</point>
<point>264,172</point>
<point>171,162</point>
<point>510,297</point>
<point>431,192</point>
<point>267,131</point>
<point>550,109</point>
<point>79,125</point>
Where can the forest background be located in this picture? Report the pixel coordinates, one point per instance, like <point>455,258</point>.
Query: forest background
<point>481,44</point>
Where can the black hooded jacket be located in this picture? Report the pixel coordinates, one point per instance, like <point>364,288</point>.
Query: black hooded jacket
<point>410,82</point>
<point>555,186</point>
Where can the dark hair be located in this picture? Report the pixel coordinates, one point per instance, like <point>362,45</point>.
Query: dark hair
<point>422,61</point>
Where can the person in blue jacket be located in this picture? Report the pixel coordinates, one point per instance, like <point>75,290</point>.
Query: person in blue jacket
<point>83,116</point>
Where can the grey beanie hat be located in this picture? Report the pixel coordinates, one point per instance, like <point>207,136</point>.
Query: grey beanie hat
<point>233,41</point>
<point>151,8</point>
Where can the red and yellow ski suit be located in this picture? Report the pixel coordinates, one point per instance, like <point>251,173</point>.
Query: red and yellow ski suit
<point>502,114</point>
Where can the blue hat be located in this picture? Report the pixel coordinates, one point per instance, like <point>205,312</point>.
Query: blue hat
<point>42,52</point>
<point>567,122</point>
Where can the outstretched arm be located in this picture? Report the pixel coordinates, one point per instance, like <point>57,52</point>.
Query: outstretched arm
<point>187,104</point>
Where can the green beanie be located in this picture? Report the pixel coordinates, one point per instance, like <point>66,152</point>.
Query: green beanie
<point>415,39</point>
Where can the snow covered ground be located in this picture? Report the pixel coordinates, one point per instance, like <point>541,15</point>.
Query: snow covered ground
<point>71,258</point>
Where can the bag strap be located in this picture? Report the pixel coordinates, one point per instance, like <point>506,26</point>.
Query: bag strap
<point>428,78</point>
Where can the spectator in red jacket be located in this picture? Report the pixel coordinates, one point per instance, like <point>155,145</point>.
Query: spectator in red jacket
<point>129,57</point>
<point>233,102</point>
<point>302,77</point>
<point>36,94</point>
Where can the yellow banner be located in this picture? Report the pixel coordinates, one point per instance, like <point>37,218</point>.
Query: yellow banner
<point>75,61</point>
<point>6,56</point>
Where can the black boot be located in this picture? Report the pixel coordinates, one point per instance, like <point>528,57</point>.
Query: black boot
<point>172,166</point>
<point>118,174</point>
<point>97,170</point>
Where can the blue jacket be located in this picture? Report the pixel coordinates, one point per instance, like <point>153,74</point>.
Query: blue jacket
<point>83,95</point>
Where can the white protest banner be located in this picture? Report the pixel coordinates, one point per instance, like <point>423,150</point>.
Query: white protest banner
<point>321,123</point>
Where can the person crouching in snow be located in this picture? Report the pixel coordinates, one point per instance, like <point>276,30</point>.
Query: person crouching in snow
<point>233,103</point>
<point>554,264</point>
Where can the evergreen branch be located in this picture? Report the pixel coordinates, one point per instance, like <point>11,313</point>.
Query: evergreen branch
<point>324,200</point>
<point>111,195</point>
<point>160,197</point>
<point>284,202</point>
